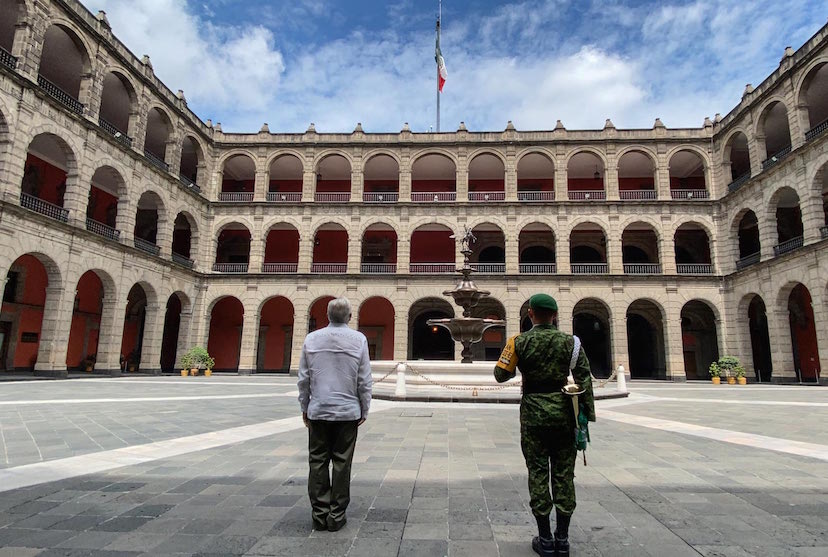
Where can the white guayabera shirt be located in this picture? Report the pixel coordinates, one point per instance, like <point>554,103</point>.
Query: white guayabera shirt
<point>335,374</point>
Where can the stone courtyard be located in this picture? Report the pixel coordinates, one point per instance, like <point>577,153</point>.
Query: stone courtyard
<point>217,466</point>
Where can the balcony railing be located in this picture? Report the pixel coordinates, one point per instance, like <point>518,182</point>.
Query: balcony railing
<point>587,195</point>
<point>182,260</point>
<point>156,161</point>
<point>589,268</point>
<point>236,196</point>
<point>60,95</point>
<point>694,268</point>
<point>536,196</point>
<point>433,196</point>
<point>491,268</point>
<point>189,183</point>
<point>538,268</point>
<point>378,268</point>
<point>738,182</point>
<point>824,232</point>
<point>642,269</point>
<point>230,267</point>
<point>101,229</point>
<point>7,60</point>
<point>637,195</point>
<point>748,260</point>
<point>146,246</point>
<point>420,268</point>
<point>689,194</point>
<point>284,196</point>
<point>774,159</point>
<point>332,196</point>
<point>380,197</point>
<point>788,245</point>
<point>816,131</point>
<point>487,196</point>
<point>333,268</point>
<point>37,205</point>
<point>119,136</point>
<point>279,267</point>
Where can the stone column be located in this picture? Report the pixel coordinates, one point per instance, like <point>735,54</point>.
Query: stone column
<point>256,252</point>
<point>813,217</point>
<point>28,44</point>
<point>779,331</point>
<point>305,252</point>
<point>153,337</point>
<point>186,330</point>
<point>662,178</point>
<point>357,182</point>
<point>400,334</point>
<point>308,186</point>
<point>354,253</point>
<point>768,236</point>
<point>403,254</point>
<point>300,331</point>
<point>511,178</point>
<point>125,220</point>
<point>667,255</point>
<point>164,236</point>
<point>260,186</point>
<point>561,188</point>
<point>54,331</point>
<point>674,347</point>
<point>462,181</point>
<point>110,334</point>
<point>615,256</point>
<point>562,261</point>
<point>405,184</point>
<point>249,336</point>
<point>620,348</point>
<point>611,182</point>
<point>512,249</point>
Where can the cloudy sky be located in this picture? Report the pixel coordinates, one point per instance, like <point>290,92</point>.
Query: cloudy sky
<point>338,62</point>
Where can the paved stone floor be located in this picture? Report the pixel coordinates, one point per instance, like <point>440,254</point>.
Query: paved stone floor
<point>198,466</point>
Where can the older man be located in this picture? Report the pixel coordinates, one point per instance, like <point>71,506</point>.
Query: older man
<point>335,393</point>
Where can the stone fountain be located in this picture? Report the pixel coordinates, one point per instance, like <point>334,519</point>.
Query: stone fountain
<point>467,329</point>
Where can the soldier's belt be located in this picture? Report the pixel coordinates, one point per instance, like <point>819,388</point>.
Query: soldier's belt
<point>542,387</point>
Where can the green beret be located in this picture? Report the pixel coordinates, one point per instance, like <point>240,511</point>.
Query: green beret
<point>543,301</point>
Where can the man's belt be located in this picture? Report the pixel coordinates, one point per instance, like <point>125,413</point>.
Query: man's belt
<point>542,387</point>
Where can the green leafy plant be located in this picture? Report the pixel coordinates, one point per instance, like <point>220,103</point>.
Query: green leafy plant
<point>714,370</point>
<point>187,361</point>
<point>730,366</point>
<point>198,357</point>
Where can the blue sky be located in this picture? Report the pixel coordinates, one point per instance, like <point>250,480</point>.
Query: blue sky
<point>339,62</point>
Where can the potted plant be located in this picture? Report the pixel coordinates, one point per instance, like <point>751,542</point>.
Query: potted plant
<point>715,373</point>
<point>186,364</point>
<point>208,366</point>
<point>88,363</point>
<point>740,376</point>
<point>199,358</point>
<point>732,368</point>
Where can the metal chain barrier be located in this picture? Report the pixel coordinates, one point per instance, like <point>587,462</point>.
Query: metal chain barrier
<point>603,382</point>
<point>450,387</point>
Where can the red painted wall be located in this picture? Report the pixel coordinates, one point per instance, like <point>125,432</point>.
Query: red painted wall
<point>432,247</point>
<point>333,186</point>
<point>377,235</point>
<point>28,311</point>
<point>584,184</point>
<point>225,333</point>
<point>803,332</point>
<point>319,312</point>
<point>331,246</point>
<point>692,183</point>
<point>433,185</point>
<point>87,312</point>
<point>285,185</point>
<point>237,185</point>
<point>381,185</point>
<point>379,312</point>
<point>277,313</point>
<point>49,181</point>
<point>531,184</point>
<point>630,184</point>
<point>103,207</point>
<point>282,247</point>
<point>486,185</point>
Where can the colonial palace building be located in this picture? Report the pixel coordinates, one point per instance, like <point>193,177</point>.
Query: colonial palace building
<point>131,230</point>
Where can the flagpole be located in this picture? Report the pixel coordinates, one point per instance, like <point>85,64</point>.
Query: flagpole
<point>439,17</point>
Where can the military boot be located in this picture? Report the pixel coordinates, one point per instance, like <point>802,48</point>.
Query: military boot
<point>561,541</point>
<point>543,544</point>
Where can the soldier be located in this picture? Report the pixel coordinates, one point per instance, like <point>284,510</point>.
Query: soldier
<point>547,422</point>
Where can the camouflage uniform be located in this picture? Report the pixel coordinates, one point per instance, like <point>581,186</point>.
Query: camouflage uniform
<point>547,422</point>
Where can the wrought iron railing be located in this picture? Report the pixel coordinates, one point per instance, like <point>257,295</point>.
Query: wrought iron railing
<point>230,267</point>
<point>816,131</point>
<point>587,195</point>
<point>642,269</point>
<point>637,195</point>
<point>102,229</point>
<point>119,136</point>
<point>378,268</point>
<point>788,245</point>
<point>236,196</point>
<point>156,161</point>
<point>189,183</point>
<point>748,260</point>
<point>420,268</point>
<point>589,268</point>
<point>491,268</point>
<point>774,159</point>
<point>7,60</point>
<point>284,196</point>
<point>37,205</point>
<point>433,196</point>
<point>538,268</point>
<point>487,196</point>
<point>279,267</point>
<point>332,196</point>
<point>738,182</point>
<point>824,232</point>
<point>60,95</point>
<point>536,196</point>
<point>333,268</point>
<point>146,246</point>
<point>380,197</point>
<point>694,268</point>
<point>690,194</point>
<point>182,260</point>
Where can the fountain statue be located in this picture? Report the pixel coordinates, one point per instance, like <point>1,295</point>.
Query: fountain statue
<point>467,329</point>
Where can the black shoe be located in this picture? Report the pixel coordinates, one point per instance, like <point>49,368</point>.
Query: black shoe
<point>320,526</point>
<point>561,546</point>
<point>334,525</point>
<point>561,540</point>
<point>545,547</point>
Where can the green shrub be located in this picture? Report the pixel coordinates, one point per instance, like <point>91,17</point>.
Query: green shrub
<point>714,370</point>
<point>197,357</point>
<point>729,366</point>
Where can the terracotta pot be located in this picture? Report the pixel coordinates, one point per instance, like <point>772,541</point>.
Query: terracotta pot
<point>208,372</point>
<point>89,368</point>
<point>716,380</point>
<point>731,380</point>
<point>184,373</point>
<point>194,371</point>
<point>741,380</point>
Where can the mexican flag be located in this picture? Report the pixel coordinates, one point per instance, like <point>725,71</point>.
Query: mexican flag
<point>442,74</point>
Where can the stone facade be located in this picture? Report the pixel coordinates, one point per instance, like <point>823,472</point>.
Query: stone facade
<point>67,249</point>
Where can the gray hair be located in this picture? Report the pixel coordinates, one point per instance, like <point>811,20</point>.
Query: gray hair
<point>339,310</point>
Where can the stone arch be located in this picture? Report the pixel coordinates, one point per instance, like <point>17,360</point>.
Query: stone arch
<point>425,342</point>
<point>592,323</point>
<point>688,178</point>
<point>284,152</point>
<point>193,164</point>
<point>276,333</point>
<point>114,118</point>
<point>700,339</point>
<point>376,320</point>
<point>50,171</point>
<point>225,330</point>
<point>150,222</point>
<point>326,153</point>
<point>535,151</point>
<point>434,151</point>
<point>586,149</point>
<point>94,311</point>
<point>71,76</point>
<point>373,221</point>
<point>159,133</point>
<point>646,332</point>
<point>815,71</point>
<point>379,151</point>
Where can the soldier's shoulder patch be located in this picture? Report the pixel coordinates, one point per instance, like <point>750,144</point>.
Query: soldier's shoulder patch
<point>508,357</point>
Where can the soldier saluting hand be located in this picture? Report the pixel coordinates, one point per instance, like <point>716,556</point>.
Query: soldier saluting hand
<point>547,421</point>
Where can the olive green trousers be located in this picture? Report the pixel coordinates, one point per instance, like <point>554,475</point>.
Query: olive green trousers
<point>329,487</point>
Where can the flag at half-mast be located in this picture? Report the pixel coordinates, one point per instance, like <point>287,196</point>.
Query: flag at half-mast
<point>442,74</point>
